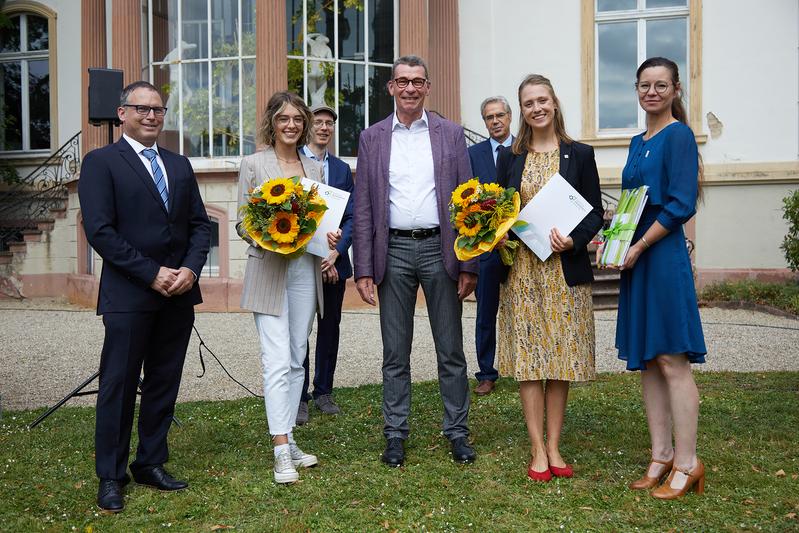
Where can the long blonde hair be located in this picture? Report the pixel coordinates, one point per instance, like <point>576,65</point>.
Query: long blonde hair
<point>525,136</point>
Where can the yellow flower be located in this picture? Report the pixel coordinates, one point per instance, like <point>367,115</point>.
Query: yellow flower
<point>284,228</point>
<point>278,190</point>
<point>459,218</point>
<point>470,230</point>
<point>492,188</point>
<point>465,192</point>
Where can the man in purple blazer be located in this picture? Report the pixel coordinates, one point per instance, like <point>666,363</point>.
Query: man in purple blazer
<point>408,166</point>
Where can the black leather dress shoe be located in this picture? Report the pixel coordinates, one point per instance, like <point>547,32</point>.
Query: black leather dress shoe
<point>394,454</point>
<point>461,451</point>
<point>157,477</point>
<point>109,495</point>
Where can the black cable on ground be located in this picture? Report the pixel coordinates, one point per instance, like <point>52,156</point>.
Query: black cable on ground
<point>202,364</point>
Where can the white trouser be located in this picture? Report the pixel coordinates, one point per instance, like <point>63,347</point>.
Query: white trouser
<point>284,340</point>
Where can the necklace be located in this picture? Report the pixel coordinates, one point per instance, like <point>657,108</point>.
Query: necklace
<point>287,160</point>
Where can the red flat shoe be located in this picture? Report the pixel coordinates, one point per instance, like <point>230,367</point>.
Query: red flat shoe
<point>566,471</point>
<point>544,476</point>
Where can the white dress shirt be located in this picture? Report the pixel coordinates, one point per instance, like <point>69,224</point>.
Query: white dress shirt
<point>138,148</point>
<point>411,178</point>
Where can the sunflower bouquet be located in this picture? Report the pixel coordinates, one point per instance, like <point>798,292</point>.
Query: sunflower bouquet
<point>483,213</point>
<point>281,216</point>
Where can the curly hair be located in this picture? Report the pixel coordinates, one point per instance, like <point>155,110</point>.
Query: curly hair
<point>276,104</point>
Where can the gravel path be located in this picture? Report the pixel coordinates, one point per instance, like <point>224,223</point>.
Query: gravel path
<point>47,348</point>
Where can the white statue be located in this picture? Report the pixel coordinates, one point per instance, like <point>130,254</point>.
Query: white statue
<point>317,80</point>
<point>173,64</point>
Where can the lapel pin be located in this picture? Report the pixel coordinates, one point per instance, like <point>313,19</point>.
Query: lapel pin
<point>566,156</point>
<point>646,154</point>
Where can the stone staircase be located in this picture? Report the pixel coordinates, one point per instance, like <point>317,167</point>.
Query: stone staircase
<point>605,288</point>
<point>30,210</point>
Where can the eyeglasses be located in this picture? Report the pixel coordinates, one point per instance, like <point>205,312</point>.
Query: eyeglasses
<point>498,116</point>
<point>660,87</point>
<point>283,120</point>
<point>144,110</point>
<point>418,83</point>
<point>319,123</point>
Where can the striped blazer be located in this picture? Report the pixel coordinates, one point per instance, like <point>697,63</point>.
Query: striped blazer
<point>265,275</point>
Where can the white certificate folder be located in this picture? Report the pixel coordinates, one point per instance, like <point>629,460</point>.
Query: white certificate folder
<point>557,205</point>
<point>336,200</point>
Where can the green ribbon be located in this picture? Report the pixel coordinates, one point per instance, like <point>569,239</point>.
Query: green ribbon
<point>616,229</point>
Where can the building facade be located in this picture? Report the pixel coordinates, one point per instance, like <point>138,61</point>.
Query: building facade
<point>218,61</point>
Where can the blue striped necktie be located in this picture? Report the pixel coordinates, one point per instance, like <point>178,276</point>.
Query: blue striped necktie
<point>158,175</point>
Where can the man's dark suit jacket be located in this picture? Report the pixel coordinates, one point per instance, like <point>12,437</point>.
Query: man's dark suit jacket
<point>578,167</point>
<point>341,178</point>
<point>483,161</point>
<point>127,224</point>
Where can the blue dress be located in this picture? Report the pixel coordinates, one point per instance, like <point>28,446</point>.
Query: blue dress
<point>658,313</point>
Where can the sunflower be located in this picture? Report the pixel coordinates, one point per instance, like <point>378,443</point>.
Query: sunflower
<point>492,188</point>
<point>277,191</point>
<point>470,229</point>
<point>465,192</point>
<point>460,218</point>
<point>284,228</point>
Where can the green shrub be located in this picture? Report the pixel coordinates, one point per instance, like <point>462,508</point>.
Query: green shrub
<point>790,244</point>
<point>784,296</point>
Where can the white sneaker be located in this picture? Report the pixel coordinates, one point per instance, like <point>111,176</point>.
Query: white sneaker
<point>300,458</point>
<point>284,469</point>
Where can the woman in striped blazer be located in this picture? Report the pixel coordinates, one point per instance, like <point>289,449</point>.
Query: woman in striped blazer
<point>282,293</point>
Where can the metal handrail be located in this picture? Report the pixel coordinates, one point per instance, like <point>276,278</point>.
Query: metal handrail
<point>28,201</point>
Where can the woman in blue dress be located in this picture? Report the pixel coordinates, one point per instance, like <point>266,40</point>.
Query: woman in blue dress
<point>658,330</point>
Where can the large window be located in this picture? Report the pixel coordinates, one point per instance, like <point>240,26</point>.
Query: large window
<point>340,54</point>
<point>25,83</point>
<point>201,54</point>
<point>623,34</point>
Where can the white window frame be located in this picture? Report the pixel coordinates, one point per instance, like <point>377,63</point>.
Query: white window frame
<point>23,57</point>
<point>152,64</point>
<point>589,77</point>
<point>641,15</point>
<point>366,63</point>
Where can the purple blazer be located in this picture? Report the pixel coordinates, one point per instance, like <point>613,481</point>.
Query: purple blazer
<point>370,215</point>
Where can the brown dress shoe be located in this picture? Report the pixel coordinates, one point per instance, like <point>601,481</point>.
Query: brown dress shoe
<point>646,482</point>
<point>695,481</point>
<point>484,388</point>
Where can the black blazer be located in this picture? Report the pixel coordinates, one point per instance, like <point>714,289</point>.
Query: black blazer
<point>126,223</point>
<point>578,167</point>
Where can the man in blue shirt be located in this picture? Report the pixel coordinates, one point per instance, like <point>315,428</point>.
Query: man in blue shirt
<point>496,113</point>
<point>336,268</point>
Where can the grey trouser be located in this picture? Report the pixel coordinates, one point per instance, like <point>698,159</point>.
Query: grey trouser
<point>412,262</point>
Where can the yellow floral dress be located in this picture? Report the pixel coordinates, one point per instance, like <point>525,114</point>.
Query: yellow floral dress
<point>546,328</point>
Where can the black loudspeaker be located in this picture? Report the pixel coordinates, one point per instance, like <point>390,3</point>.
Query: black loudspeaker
<point>105,86</point>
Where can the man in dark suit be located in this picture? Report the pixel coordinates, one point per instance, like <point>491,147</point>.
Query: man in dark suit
<point>336,269</point>
<point>143,214</point>
<point>408,166</point>
<point>497,115</point>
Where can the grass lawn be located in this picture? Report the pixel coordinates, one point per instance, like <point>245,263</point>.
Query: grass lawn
<point>749,426</point>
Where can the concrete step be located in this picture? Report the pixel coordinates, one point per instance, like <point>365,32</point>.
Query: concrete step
<point>32,235</point>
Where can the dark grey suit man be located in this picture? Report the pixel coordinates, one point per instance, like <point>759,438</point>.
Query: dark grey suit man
<point>408,166</point>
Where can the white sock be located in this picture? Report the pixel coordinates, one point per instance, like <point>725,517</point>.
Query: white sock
<point>280,448</point>
<point>291,438</point>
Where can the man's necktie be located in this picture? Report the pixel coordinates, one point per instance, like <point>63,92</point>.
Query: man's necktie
<point>158,175</point>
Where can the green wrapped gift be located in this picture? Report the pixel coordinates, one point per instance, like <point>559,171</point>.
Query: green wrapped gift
<point>619,235</point>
